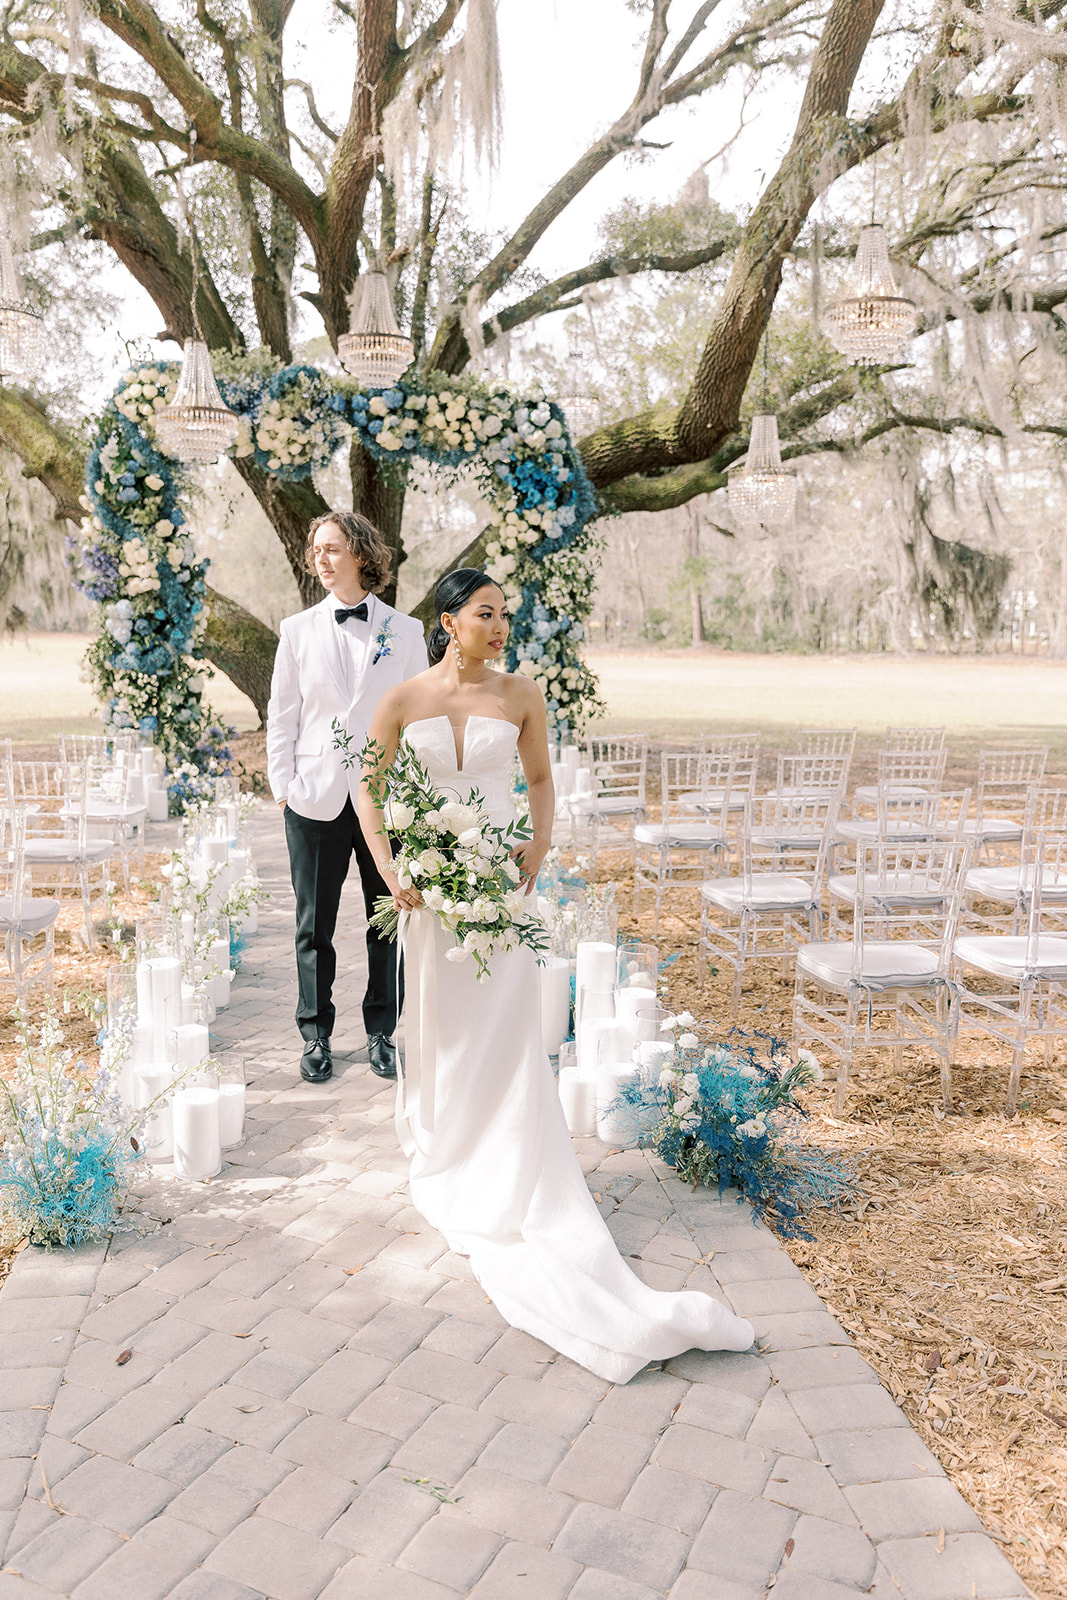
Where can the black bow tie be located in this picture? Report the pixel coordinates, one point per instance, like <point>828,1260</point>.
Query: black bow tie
<point>359,612</point>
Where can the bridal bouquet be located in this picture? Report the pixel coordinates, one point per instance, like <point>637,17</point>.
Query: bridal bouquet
<point>462,865</point>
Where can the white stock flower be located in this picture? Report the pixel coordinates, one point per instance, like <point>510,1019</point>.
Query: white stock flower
<point>688,1041</point>
<point>685,1019</point>
<point>806,1059</point>
<point>682,1104</point>
<point>691,1084</point>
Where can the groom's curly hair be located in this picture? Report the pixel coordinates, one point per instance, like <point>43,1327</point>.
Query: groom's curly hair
<point>365,542</point>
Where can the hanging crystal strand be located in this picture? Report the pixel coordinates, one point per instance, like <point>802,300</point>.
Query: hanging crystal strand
<point>762,490</point>
<point>197,425</point>
<point>874,325</point>
<point>580,404</point>
<point>21,329</point>
<point>374,350</point>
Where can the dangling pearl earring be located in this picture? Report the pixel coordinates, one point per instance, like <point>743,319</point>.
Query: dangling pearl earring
<point>457,652</point>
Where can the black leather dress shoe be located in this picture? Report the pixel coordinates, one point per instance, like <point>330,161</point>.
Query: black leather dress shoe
<point>316,1064</point>
<point>382,1052</point>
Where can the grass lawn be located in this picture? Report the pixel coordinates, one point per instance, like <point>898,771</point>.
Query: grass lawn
<point>675,695</point>
<point>42,693</point>
<point>681,694</point>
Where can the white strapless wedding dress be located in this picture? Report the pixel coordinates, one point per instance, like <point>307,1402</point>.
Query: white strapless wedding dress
<point>479,1116</point>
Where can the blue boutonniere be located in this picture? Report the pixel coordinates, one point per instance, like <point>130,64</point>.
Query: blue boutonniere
<point>383,643</point>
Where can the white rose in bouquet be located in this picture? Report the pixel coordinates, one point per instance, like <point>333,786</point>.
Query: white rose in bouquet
<point>457,953</point>
<point>470,838</point>
<point>457,818</point>
<point>398,816</point>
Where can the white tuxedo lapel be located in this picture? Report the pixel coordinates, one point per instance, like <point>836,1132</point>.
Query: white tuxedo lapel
<point>334,648</point>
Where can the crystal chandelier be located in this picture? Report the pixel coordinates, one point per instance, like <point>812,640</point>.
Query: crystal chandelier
<point>374,350</point>
<point>579,405</point>
<point>197,425</point>
<point>874,325</point>
<point>21,330</point>
<point>761,489</point>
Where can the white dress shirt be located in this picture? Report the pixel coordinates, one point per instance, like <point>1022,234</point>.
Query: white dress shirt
<point>354,639</point>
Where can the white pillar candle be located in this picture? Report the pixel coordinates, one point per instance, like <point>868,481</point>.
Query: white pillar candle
<point>627,1004</point>
<point>127,1083</point>
<point>583,784</point>
<point>219,985</point>
<point>166,1000</point>
<point>144,991</point>
<point>572,756</point>
<point>653,1052</point>
<point>216,852</point>
<point>151,1081</point>
<point>614,1125</point>
<point>143,1038</point>
<point>158,804</point>
<point>197,1139</point>
<point>555,1002</point>
<point>577,1095</point>
<point>250,923</point>
<point>594,972</point>
<point>193,1044</point>
<point>230,813</point>
<point>593,1042</point>
<point>231,1114</point>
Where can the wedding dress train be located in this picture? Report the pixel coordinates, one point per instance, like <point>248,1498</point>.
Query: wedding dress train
<point>492,1163</point>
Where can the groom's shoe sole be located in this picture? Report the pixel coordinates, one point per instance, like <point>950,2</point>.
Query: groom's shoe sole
<point>382,1053</point>
<point>316,1064</point>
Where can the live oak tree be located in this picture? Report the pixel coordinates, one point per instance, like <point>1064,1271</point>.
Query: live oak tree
<point>113,119</point>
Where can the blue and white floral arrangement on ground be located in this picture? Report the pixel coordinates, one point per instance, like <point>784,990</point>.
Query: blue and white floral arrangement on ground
<point>725,1114</point>
<point>136,559</point>
<point>69,1144</point>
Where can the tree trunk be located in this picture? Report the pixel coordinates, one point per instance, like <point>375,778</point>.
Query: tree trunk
<point>291,508</point>
<point>379,496</point>
<point>242,647</point>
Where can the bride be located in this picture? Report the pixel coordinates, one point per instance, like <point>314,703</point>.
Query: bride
<point>478,1113</point>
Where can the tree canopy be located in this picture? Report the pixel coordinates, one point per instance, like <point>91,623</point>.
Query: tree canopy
<point>129,128</point>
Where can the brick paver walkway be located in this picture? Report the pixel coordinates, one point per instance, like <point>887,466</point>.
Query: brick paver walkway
<point>282,1385</point>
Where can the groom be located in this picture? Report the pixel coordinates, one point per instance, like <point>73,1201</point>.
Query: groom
<point>336,660</point>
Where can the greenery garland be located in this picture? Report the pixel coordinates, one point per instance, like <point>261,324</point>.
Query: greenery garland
<point>136,560</point>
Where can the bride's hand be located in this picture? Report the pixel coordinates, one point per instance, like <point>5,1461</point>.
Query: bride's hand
<point>528,858</point>
<point>404,899</point>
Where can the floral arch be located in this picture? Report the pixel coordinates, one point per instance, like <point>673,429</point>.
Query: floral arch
<point>136,560</point>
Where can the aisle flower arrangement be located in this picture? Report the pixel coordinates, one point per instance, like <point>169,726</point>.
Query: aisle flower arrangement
<point>725,1114</point>
<point>135,559</point>
<point>460,863</point>
<point>69,1145</point>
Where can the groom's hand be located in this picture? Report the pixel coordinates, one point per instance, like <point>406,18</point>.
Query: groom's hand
<point>283,804</point>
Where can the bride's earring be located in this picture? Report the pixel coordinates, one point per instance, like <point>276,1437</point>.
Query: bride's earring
<point>457,652</point>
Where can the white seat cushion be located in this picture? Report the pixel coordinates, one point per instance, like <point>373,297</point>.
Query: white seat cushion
<point>606,805</point>
<point>893,965</point>
<point>34,915</point>
<point>1010,955</point>
<point>66,852</point>
<point>800,840</point>
<point>896,888</point>
<point>109,811</point>
<point>1007,883</point>
<point>867,793</point>
<point>762,891</point>
<point>992,828</point>
<point>691,835</point>
<point>863,830</point>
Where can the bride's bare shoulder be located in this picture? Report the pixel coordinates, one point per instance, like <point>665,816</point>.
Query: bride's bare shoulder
<point>521,694</point>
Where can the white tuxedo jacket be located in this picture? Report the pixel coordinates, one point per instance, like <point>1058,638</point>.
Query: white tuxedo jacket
<point>319,677</point>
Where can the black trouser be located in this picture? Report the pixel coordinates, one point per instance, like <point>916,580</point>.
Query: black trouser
<point>319,857</point>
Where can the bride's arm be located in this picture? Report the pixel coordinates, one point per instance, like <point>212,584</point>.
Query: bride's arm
<point>383,739</point>
<point>533,752</point>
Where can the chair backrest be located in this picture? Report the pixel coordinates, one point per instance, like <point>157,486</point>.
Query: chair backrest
<point>1045,858</point>
<point>914,739</point>
<point>918,768</point>
<point>688,777</point>
<point>38,780</point>
<point>813,774</point>
<point>620,765</point>
<point>7,774</point>
<point>12,858</point>
<point>787,830</point>
<point>82,747</point>
<point>1005,776</point>
<point>909,891</point>
<point>743,746</point>
<point>826,742</point>
<point>1046,813</point>
<point>926,814</point>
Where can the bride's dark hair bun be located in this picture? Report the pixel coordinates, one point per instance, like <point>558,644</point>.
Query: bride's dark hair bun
<point>453,592</point>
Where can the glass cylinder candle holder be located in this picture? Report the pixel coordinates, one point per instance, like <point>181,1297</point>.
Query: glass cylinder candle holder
<point>218,964</point>
<point>196,1128</point>
<point>190,1042</point>
<point>555,976</point>
<point>637,965</point>
<point>231,1074</point>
